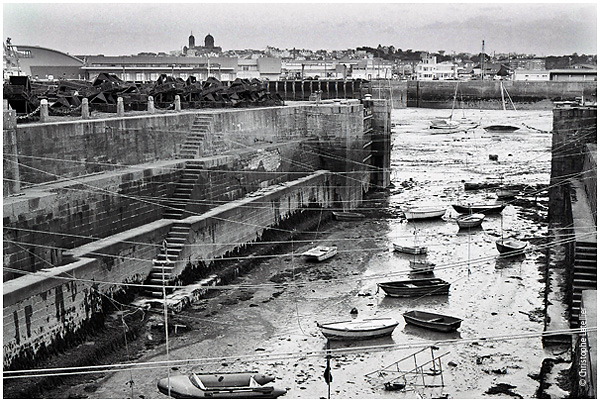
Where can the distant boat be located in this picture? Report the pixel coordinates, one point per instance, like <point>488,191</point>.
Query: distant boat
<point>347,216</point>
<point>320,253</point>
<point>506,194</point>
<point>511,246</point>
<point>410,249</point>
<point>219,386</point>
<point>412,213</point>
<point>415,287</point>
<point>421,267</point>
<point>434,321</point>
<point>501,128</point>
<point>358,329</point>
<point>470,221</point>
<point>479,208</point>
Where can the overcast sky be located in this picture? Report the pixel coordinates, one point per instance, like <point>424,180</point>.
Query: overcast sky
<point>118,29</point>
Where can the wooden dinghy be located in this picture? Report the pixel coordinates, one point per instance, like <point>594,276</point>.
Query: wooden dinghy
<point>410,249</point>
<point>415,287</point>
<point>358,329</point>
<point>486,209</point>
<point>413,213</point>
<point>433,321</point>
<point>470,220</point>
<point>320,253</point>
<point>511,246</point>
<point>421,267</point>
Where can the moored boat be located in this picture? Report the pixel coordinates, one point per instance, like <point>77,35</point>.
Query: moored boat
<point>358,329</point>
<point>410,249</point>
<point>219,385</point>
<point>506,194</point>
<point>320,253</point>
<point>433,321</point>
<point>412,213</point>
<point>511,246</point>
<point>501,128</point>
<point>415,287</point>
<point>470,220</point>
<point>347,216</point>
<point>421,267</point>
<point>479,208</point>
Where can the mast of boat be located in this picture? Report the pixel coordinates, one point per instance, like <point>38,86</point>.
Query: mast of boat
<point>502,94</point>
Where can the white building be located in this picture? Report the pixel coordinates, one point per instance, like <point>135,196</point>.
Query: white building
<point>430,69</point>
<point>531,75</point>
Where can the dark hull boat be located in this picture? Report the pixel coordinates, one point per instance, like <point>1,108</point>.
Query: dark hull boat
<point>433,321</point>
<point>510,247</point>
<point>501,128</point>
<point>415,287</point>
<point>479,208</point>
<point>347,216</point>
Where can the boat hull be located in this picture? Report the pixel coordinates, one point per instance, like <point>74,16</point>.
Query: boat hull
<point>424,213</point>
<point>320,253</point>
<point>432,321</point>
<point>511,247</point>
<point>470,221</point>
<point>421,267</point>
<point>348,216</point>
<point>415,288</point>
<point>414,250</point>
<point>479,208</point>
<point>501,128</point>
<point>358,329</point>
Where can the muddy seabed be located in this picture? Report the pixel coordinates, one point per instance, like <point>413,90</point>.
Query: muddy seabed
<point>494,296</point>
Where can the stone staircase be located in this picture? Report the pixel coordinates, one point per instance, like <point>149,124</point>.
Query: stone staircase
<point>164,263</point>
<point>175,206</point>
<point>584,276</point>
<point>197,141</point>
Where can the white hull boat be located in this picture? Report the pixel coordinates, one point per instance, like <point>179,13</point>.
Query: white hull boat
<point>358,329</point>
<point>424,212</point>
<point>320,253</point>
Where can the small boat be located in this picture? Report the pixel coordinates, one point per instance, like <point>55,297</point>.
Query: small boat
<point>421,267</point>
<point>479,208</point>
<point>501,128</point>
<point>506,194</point>
<point>470,220</point>
<point>424,212</point>
<point>347,216</point>
<point>219,385</point>
<point>320,253</point>
<point>511,246</point>
<point>444,124</point>
<point>358,329</point>
<point>410,249</point>
<point>434,321</point>
<point>415,287</point>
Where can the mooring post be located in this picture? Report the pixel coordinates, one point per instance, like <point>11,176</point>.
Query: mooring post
<point>151,105</point>
<point>10,163</point>
<point>85,109</point>
<point>44,111</point>
<point>177,103</point>
<point>120,107</point>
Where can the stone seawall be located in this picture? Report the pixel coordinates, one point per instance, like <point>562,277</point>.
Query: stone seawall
<point>41,309</point>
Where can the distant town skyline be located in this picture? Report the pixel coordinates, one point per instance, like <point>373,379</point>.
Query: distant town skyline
<point>119,29</point>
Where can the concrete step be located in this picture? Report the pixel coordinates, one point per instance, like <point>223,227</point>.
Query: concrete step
<point>173,215</point>
<point>591,276</point>
<point>584,284</point>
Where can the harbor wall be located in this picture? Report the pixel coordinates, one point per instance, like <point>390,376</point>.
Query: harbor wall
<point>41,311</point>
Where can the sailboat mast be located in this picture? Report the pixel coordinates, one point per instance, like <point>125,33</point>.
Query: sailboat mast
<point>502,93</point>
<point>482,59</point>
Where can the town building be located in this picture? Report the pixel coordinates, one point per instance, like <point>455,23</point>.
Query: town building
<point>430,69</point>
<point>531,75</point>
<point>41,63</point>
<point>580,74</point>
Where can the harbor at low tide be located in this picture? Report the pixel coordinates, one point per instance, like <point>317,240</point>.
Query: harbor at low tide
<point>270,328</point>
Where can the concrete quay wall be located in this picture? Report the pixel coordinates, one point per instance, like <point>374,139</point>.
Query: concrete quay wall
<point>478,94</point>
<point>41,310</point>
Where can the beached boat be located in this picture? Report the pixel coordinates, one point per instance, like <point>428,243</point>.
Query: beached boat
<point>358,329</point>
<point>415,287</point>
<point>501,128</point>
<point>506,194</point>
<point>511,246</point>
<point>412,213</point>
<point>421,267</point>
<point>347,216</point>
<point>219,386</point>
<point>410,249</point>
<point>320,253</point>
<point>434,321</point>
<point>479,208</point>
<point>470,220</point>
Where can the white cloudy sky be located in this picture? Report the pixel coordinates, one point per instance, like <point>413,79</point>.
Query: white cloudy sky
<point>129,28</point>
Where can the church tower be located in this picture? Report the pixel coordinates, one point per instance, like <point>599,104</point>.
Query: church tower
<point>191,41</point>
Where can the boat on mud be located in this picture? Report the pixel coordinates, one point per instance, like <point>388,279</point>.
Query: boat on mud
<point>347,216</point>
<point>506,194</point>
<point>421,267</point>
<point>501,128</point>
<point>470,220</point>
<point>412,213</point>
<point>433,321</point>
<point>510,247</point>
<point>320,253</point>
<point>358,329</point>
<point>479,208</point>
<point>410,249</point>
<point>219,386</point>
<point>415,287</point>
